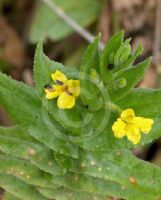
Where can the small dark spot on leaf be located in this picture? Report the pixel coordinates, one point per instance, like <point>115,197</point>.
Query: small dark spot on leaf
<point>132,180</point>
<point>86,106</point>
<point>110,66</point>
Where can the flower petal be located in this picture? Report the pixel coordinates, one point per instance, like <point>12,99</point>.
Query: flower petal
<point>128,115</point>
<point>65,101</point>
<point>133,133</point>
<point>53,92</point>
<point>119,128</point>
<point>144,124</point>
<point>59,76</point>
<point>74,87</point>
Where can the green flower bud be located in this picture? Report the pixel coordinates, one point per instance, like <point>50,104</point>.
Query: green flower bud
<point>125,54</point>
<point>122,53</point>
<point>120,83</point>
<point>94,75</point>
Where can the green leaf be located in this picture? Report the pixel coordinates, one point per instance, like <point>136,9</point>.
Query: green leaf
<point>16,142</point>
<point>132,77</point>
<point>77,130</point>
<point>121,165</point>
<point>133,57</point>
<point>43,67</point>
<point>91,57</point>
<point>145,102</point>
<point>112,45</point>
<point>155,133</point>
<point>128,62</point>
<point>123,189</point>
<point>47,25</point>
<point>18,98</point>
<point>105,140</point>
<point>37,178</point>
<point>94,186</point>
<point>74,121</point>
<point>65,194</point>
<point>9,196</point>
<point>91,65</point>
<point>103,167</point>
<point>33,176</point>
<point>19,189</point>
<point>107,168</point>
<point>71,120</point>
<point>52,138</point>
<point>24,171</point>
<point>25,100</point>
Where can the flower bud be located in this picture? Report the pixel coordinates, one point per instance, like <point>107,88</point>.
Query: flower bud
<point>120,83</point>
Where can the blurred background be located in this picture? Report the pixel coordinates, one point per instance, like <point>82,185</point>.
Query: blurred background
<point>23,23</point>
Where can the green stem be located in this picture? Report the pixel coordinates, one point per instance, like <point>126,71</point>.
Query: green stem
<point>114,108</point>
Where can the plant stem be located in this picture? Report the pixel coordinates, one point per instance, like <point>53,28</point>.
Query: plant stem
<point>73,24</point>
<point>114,108</point>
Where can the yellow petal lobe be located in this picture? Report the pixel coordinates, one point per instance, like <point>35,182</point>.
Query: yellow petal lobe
<point>133,134</point>
<point>65,101</point>
<point>128,115</point>
<point>144,124</point>
<point>74,87</point>
<point>59,76</point>
<point>119,128</point>
<point>53,92</point>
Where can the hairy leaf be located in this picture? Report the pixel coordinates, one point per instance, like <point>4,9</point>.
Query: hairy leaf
<point>19,189</point>
<point>132,77</point>
<point>111,47</point>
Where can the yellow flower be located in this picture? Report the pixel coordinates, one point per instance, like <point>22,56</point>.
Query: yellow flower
<point>66,90</point>
<point>131,126</point>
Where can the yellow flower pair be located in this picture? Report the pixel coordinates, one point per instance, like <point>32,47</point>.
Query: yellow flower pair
<point>66,90</point>
<point>131,126</point>
<point>126,125</point>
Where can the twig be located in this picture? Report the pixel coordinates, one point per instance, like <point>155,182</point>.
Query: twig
<point>80,30</point>
<point>157,36</point>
